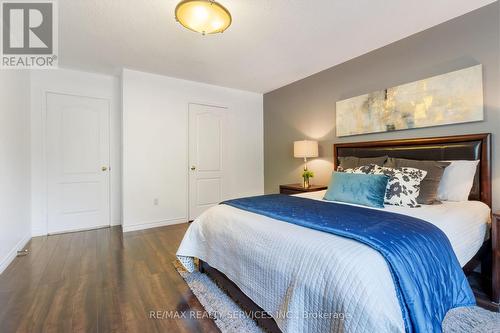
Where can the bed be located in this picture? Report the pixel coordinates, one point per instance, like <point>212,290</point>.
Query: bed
<point>273,267</point>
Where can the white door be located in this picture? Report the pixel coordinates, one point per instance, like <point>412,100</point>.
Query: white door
<point>77,162</point>
<point>206,142</point>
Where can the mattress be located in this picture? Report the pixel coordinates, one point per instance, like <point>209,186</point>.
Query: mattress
<point>466,223</point>
<point>311,281</point>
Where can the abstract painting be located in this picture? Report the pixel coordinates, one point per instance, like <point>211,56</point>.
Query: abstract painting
<point>455,97</point>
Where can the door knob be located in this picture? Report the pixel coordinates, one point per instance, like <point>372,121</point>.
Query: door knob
<point>104,168</point>
<point>193,168</point>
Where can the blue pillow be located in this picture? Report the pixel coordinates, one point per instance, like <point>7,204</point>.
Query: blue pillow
<point>361,189</point>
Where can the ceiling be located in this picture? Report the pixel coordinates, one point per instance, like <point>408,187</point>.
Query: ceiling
<point>271,43</point>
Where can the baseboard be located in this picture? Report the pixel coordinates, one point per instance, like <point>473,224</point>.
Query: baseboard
<point>153,224</point>
<point>35,232</point>
<point>62,232</point>
<point>5,262</point>
<point>38,232</point>
<point>116,222</point>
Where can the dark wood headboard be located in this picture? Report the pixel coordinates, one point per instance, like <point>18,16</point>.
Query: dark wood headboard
<point>461,147</point>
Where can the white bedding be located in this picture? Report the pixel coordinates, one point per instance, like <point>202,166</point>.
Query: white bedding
<point>312,278</point>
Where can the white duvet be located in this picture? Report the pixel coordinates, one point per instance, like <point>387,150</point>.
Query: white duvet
<point>311,281</point>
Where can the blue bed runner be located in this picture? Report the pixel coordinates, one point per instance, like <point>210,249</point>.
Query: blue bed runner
<point>427,275</point>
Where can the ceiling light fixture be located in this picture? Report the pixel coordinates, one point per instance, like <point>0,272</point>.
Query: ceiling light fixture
<point>204,16</point>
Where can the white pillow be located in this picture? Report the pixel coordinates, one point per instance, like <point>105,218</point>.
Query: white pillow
<point>457,181</point>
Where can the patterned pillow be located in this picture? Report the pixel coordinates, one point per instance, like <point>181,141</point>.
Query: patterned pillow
<point>403,187</point>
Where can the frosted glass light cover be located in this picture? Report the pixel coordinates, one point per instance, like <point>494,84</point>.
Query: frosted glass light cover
<point>203,16</point>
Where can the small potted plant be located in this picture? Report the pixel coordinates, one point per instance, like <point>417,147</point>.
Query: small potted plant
<point>307,175</point>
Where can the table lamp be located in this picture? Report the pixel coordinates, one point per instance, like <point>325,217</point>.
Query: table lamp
<point>305,149</point>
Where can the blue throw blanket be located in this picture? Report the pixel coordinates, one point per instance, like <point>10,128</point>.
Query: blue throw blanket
<point>427,275</point>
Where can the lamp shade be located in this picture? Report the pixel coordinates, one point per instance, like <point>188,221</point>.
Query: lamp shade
<point>305,149</point>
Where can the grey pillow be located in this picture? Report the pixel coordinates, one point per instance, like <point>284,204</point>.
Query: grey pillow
<point>429,186</point>
<point>351,162</point>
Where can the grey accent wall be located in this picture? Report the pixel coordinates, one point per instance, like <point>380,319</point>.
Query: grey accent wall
<point>306,108</point>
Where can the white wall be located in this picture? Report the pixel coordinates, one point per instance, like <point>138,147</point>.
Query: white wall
<point>75,83</point>
<point>15,230</point>
<point>155,145</point>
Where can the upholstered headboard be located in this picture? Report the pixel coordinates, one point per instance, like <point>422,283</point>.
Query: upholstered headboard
<point>463,147</point>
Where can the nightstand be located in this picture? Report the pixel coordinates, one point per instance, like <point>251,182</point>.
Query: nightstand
<point>495,242</point>
<point>298,188</point>
<point>486,285</point>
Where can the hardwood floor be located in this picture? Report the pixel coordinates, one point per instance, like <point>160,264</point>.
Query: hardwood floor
<point>99,281</point>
